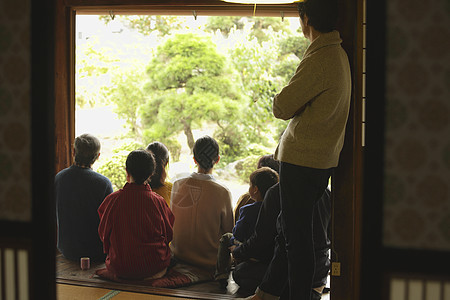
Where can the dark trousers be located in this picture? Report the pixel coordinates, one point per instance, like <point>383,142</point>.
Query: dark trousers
<point>300,189</point>
<point>248,275</point>
<point>275,280</point>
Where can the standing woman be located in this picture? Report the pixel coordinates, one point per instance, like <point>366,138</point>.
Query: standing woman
<point>158,181</point>
<point>316,101</point>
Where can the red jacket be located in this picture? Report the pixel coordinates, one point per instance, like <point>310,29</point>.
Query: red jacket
<point>136,229</point>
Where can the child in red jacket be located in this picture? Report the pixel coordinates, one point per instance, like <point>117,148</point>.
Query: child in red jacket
<point>136,224</point>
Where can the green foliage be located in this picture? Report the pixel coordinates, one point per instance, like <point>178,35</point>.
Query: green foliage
<point>182,58</point>
<point>294,45</point>
<point>93,66</point>
<point>232,140</point>
<point>259,69</point>
<point>224,24</point>
<point>263,28</point>
<point>128,96</point>
<point>291,52</point>
<point>174,147</point>
<point>246,166</point>
<point>114,167</point>
<point>146,24</point>
<point>190,84</point>
<point>161,131</point>
<point>287,67</point>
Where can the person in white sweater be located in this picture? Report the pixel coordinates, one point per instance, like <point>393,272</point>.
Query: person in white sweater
<point>202,208</point>
<point>316,101</point>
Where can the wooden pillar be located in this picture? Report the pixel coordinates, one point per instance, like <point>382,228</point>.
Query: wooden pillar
<point>346,181</point>
<point>64,85</point>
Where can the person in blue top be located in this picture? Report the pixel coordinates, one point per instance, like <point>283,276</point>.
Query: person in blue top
<point>79,191</point>
<point>260,181</point>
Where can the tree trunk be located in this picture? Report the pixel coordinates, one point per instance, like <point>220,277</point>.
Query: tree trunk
<point>189,135</point>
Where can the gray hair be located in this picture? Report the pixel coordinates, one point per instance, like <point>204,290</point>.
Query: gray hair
<point>87,148</point>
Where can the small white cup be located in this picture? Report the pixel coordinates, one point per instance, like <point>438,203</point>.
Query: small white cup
<point>85,263</point>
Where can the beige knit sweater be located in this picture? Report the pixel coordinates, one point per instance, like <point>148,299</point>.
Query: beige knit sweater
<point>203,213</point>
<point>317,100</point>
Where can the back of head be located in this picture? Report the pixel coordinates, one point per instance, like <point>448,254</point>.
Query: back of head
<point>269,161</point>
<point>322,14</point>
<point>263,178</point>
<point>86,148</point>
<point>140,165</point>
<point>161,155</point>
<point>206,152</point>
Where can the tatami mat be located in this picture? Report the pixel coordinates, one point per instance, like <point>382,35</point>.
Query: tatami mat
<point>76,292</point>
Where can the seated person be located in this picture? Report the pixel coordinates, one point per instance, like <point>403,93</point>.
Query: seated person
<point>136,224</point>
<point>254,255</point>
<point>202,208</point>
<point>260,181</point>
<point>79,191</point>
<point>158,181</point>
<point>264,161</point>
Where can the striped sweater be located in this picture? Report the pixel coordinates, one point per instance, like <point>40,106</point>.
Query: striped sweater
<point>136,229</point>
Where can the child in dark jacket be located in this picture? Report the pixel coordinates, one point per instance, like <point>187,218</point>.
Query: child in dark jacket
<point>244,199</point>
<point>260,181</point>
<point>253,256</point>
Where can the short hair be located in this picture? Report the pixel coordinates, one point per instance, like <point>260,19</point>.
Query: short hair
<point>86,148</point>
<point>322,14</point>
<point>140,165</point>
<point>269,161</point>
<point>263,178</point>
<point>206,152</point>
<point>161,155</point>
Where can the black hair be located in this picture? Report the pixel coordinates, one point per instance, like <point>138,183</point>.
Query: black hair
<point>206,152</point>
<point>263,178</point>
<point>86,148</point>
<point>161,155</point>
<point>322,14</point>
<point>269,161</point>
<point>140,165</point>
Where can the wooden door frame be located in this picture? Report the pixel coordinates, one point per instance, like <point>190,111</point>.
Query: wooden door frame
<point>347,179</point>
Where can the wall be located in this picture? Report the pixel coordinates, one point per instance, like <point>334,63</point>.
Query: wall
<point>417,144</point>
<point>15,143</point>
<point>15,136</point>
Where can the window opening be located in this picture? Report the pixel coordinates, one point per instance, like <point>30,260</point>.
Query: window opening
<point>141,78</point>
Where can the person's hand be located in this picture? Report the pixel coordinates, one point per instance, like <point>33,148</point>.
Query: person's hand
<point>237,261</point>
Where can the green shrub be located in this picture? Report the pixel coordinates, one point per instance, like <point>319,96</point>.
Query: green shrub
<point>114,167</point>
<point>246,166</point>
